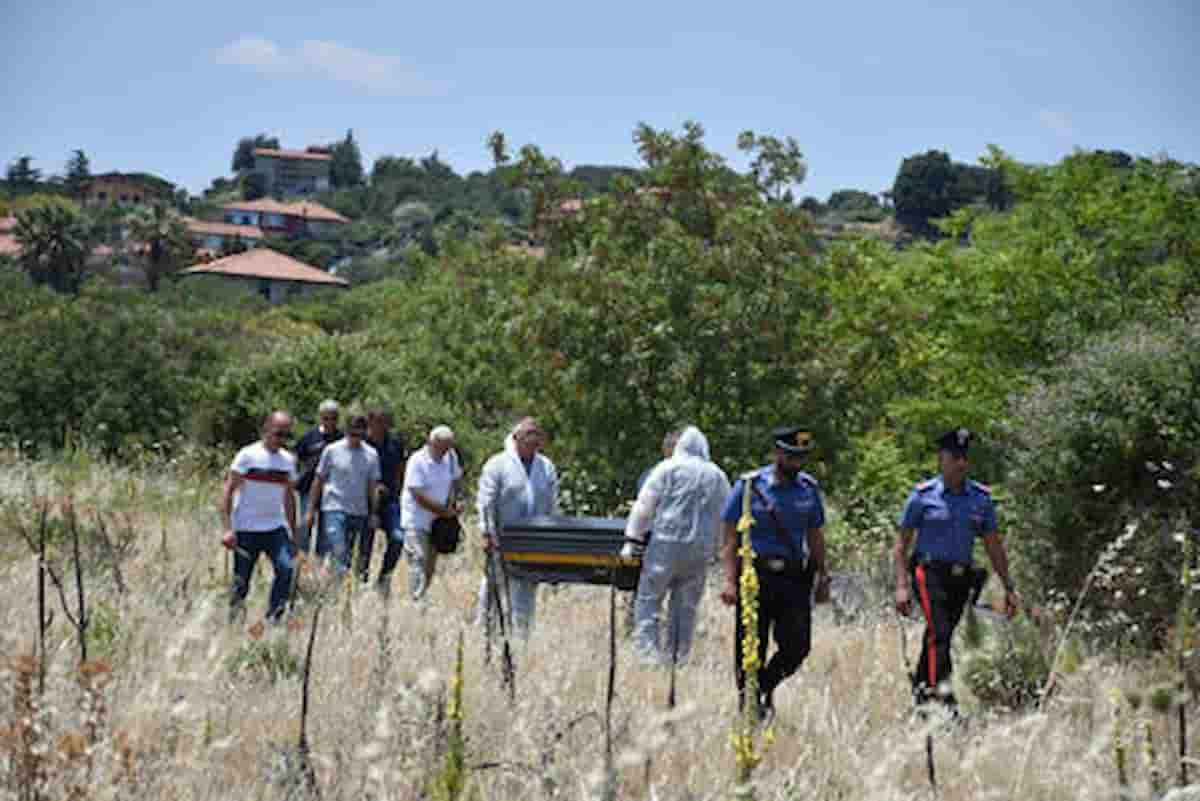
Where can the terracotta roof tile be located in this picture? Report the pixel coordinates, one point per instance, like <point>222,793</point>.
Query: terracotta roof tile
<point>292,154</point>
<point>206,228</point>
<point>304,208</point>
<point>266,263</point>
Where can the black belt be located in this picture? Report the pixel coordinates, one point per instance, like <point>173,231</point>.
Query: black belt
<point>956,569</point>
<point>781,566</point>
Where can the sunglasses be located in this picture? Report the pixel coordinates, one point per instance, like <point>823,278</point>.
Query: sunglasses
<point>282,433</point>
<point>357,432</point>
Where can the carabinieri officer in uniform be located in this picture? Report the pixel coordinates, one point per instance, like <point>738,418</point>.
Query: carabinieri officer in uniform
<point>946,514</point>
<point>789,556</point>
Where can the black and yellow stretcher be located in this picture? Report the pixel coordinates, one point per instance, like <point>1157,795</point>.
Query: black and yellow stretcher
<point>569,550</point>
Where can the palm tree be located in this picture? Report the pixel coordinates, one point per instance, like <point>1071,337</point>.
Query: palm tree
<point>162,243</point>
<point>55,241</point>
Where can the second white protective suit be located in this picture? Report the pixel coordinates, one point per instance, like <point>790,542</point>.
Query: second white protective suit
<point>681,502</point>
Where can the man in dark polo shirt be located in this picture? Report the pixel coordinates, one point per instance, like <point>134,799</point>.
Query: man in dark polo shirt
<point>308,453</point>
<point>392,458</point>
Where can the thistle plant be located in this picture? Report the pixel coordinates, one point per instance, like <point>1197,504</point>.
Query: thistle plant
<point>453,777</point>
<point>746,755</point>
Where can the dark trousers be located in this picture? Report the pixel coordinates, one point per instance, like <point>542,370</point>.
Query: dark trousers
<point>783,608</point>
<point>277,545</point>
<point>942,597</point>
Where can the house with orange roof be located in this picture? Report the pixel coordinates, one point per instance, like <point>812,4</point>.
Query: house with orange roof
<point>302,219</point>
<point>272,275</point>
<point>214,236</point>
<point>293,172</point>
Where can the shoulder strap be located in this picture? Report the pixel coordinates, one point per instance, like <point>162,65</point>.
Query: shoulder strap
<point>780,529</point>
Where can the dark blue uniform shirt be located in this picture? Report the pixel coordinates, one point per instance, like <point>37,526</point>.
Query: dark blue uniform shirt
<point>946,522</point>
<point>392,459</point>
<point>798,507</point>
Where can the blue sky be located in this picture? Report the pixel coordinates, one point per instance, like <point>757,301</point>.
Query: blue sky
<point>169,87</point>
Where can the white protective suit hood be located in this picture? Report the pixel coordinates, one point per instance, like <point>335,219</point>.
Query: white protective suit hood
<point>682,498</point>
<point>692,442</point>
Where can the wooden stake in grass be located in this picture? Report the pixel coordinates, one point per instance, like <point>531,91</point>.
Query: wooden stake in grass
<point>44,618</point>
<point>81,619</point>
<point>309,776</point>
<point>508,673</point>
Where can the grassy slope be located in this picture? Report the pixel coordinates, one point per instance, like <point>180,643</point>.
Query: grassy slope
<point>196,732</point>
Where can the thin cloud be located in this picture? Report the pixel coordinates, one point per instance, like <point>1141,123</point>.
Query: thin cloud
<point>373,72</point>
<point>255,52</point>
<point>1057,122</point>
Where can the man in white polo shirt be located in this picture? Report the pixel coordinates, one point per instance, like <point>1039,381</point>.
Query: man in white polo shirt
<point>431,483</point>
<point>258,512</point>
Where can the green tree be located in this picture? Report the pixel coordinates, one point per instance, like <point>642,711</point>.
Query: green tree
<point>78,173</point>
<point>22,177</point>
<point>96,368</point>
<point>777,166</point>
<point>923,190</point>
<point>56,242</point>
<point>644,311</point>
<point>254,186</point>
<point>852,200</point>
<point>243,153</point>
<point>346,169</point>
<point>161,242</point>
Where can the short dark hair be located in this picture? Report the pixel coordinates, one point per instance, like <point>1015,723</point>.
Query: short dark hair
<point>358,421</point>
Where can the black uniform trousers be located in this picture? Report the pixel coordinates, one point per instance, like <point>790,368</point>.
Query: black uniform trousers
<point>942,590</point>
<point>784,608</point>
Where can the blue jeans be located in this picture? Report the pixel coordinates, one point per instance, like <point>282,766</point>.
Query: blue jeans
<point>303,534</point>
<point>277,545</point>
<point>389,521</point>
<point>343,531</point>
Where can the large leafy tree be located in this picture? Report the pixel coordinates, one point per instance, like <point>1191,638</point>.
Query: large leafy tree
<point>243,153</point>
<point>162,245</point>
<point>684,296</point>
<point>55,241</point>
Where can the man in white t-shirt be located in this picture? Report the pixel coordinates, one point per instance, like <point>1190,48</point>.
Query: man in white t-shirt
<point>258,512</point>
<point>346,490</point>
<point>432,480</point>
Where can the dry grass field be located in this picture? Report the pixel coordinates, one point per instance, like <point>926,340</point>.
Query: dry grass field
<point>183,705</point>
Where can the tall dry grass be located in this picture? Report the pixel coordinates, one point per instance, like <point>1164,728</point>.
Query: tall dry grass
<point>171,719</point>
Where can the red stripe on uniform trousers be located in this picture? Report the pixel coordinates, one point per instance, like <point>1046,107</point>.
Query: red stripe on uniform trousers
<point>927,608</point>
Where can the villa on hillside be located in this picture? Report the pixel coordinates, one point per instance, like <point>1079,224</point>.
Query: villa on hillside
<point>293,172</point>
<point>272,275</point>
<point>304,219</point>
<point>215,236</point>
<point>126,190</point>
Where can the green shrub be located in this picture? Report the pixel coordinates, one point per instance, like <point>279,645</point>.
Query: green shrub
<point>1010,668</point>
<point>267,658</point>
<point>90,369</point>
<point>1105,473</point>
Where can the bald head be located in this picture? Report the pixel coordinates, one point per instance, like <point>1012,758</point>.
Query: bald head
<point>277,430</point>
